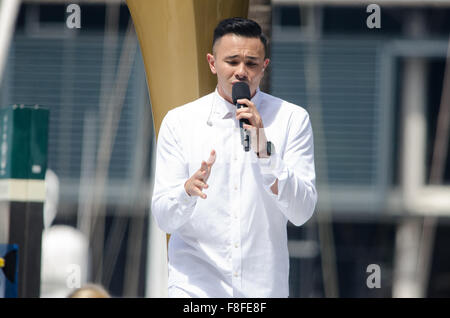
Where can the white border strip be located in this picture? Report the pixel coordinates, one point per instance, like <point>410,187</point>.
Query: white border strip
<point>22,190</point>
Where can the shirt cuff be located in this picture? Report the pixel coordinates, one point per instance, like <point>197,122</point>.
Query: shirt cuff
<point>272,168</point>
<point>184,199</point>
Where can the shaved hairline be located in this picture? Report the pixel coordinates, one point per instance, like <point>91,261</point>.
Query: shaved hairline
<point>248,37</point>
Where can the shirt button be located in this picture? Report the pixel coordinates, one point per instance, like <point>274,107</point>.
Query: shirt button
<point>236,274</point>
<point>235,187</point>
<point>236,245</point>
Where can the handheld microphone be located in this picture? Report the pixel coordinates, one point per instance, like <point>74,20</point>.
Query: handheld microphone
<point>240,90</point>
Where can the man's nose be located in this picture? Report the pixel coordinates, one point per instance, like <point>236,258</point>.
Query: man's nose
<point>241,72</point>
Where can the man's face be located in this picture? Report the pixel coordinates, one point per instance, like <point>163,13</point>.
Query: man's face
<point>237,58</point>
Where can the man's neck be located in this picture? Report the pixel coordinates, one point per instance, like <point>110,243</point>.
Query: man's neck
<point>224,96</point>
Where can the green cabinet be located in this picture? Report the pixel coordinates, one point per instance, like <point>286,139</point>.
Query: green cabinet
<point>23,152</point>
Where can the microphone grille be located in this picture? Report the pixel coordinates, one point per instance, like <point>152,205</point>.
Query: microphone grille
<point>240,90</point>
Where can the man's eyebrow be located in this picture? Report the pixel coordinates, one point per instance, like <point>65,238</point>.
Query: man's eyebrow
<point>247,57</point>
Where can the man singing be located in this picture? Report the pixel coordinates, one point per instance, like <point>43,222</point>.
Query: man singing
<point>226,208</point>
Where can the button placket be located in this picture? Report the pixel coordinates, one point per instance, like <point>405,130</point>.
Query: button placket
<point>236,204</point>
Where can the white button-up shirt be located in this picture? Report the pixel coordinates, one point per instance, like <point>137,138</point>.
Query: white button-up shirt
<point>234,242</point>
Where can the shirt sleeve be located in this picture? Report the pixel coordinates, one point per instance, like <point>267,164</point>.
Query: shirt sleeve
<point>297,196</point>
<point>171,205</point>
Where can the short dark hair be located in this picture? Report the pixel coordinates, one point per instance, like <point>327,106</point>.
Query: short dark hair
<point>242,27</point>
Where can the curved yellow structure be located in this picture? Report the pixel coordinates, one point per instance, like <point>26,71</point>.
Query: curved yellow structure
<point>175,36</point>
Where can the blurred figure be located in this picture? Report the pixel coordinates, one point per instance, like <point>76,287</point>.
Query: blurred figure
<point>65,250</point>
<point>90,291</point>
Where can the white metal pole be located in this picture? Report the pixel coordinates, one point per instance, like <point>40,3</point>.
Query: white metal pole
<point>157,267</point>
<point>8,14</point>
<point>406,283</point>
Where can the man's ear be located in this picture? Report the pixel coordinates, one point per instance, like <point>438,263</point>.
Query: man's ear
<point>211,63</point>
<point>266,63</point>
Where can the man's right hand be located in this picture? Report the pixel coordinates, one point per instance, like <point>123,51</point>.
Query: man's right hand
<point>195,184</point>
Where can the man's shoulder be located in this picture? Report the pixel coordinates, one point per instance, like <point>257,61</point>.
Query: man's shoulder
<point>186,113</point>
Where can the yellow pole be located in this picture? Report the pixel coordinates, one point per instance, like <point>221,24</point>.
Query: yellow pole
<point>175,36</point>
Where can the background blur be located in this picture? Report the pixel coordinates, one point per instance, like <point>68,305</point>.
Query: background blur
<point>379,104</point>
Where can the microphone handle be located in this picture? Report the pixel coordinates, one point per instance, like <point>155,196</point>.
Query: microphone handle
<point>244,120</point>
<point>245,136</point>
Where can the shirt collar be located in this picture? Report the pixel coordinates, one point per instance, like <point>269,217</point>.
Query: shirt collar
<point>224,109</point>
